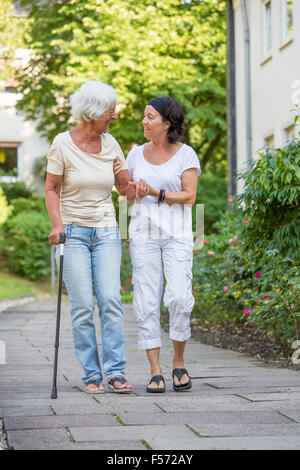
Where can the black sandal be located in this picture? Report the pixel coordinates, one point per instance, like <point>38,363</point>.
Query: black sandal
<point>179,373</point>
<point>156,379</point>
<point>121,380</point>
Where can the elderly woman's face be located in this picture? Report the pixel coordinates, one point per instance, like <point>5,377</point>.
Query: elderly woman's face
<point>154,125</point>
<point>106,119</point>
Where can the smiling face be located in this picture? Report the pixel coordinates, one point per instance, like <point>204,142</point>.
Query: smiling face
<point>154,125</point>
<point>106,119</point>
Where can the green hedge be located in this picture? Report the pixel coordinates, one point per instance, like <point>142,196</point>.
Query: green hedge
<point>25,243</point>
<point>212,192</point>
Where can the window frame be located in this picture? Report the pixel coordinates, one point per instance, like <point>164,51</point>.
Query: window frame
<point>18,146</point>
<point>267,35</point>
<point>289,133</point>
<point>286,35</point>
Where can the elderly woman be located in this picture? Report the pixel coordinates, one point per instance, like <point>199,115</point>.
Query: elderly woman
<point>163,189</point>
<point>78,197</point>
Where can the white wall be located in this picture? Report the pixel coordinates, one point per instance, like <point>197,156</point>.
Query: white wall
<point>272,77</point>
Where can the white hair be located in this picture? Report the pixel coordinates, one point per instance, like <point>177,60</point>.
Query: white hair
<point>91,100</point>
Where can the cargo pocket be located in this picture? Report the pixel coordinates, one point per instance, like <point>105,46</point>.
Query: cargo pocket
<point>186,258</point>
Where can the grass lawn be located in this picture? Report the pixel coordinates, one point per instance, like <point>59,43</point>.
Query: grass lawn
<point>15,286</point>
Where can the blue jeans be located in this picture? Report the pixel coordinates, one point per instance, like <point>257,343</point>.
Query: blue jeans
<point>95,253</point>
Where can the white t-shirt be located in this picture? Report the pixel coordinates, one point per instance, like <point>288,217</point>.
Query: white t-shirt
<point>148,219</point>
<point>85,196</point>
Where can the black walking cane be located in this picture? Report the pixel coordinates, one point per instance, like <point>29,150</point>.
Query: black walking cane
<point>62,239</point>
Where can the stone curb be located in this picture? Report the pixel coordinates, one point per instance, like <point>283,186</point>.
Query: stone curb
<point>14,301</point>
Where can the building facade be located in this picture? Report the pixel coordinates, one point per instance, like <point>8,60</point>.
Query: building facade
<point>20,143</point>
<point>265,78</point>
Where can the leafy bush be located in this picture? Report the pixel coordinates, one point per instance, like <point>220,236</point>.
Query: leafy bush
<point>212,192</point>
<point>16,190</point>
<point>26,245</point>
<point>5,209</point>
<point>270,202</point>
<point>232,285</point>
<point>248,270</point>
<point>23,204</point>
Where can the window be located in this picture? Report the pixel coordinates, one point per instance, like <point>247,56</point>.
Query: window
<point>270,140</point>
<point>9,158</point>
<point>289,133</point>
<point>287,20</point>
<point>267,28</point>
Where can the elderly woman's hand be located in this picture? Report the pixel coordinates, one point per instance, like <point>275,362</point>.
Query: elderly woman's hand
<point>54,234</point>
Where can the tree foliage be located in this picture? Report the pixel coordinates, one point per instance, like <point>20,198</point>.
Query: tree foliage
<point>12,30</point>
<point>144,48</point>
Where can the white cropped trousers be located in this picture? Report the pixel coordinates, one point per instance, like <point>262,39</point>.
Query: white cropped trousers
<point>152,261</point>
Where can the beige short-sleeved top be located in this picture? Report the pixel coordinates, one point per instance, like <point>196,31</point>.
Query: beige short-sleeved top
<point>85,195</point>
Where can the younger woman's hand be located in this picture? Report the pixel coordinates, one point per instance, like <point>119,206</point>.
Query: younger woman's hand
<point>141,188</point>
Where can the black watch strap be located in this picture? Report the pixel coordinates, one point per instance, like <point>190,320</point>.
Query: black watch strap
<point>161,197</point>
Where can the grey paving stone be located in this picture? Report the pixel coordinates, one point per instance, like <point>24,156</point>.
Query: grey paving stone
<point>196,403</point>
<point>249,389</point>
<point>108,445</point>
<point>206,417</point>
<point>78,399</point>
<point>38,387</point>
<point>131,432</point>
<point>228,443</point>
<point>41,439</point>
<point>26,411</point>
<point>234,382</point>
<point>256,429</point>
<point>275,396</point>
<point>80,409</point>
<point>62,421</point>
<point>115,406</point>
<point>280,405</point>
<point>292,414</point>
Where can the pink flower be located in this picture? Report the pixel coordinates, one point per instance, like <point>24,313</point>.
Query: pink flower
<point>257,275</point>
<point>286,302</point>
<point>247,311</point>
<point>211,253</point>
<point>255,308</point>
<point>233,239</point>
<point>193,291</point>
<point>245,221</point>
<point>225,288</point>
<point>204,240</point>
<point>266,297</point>
<point>130,280</point>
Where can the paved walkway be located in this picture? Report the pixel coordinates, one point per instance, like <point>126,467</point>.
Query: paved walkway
<point>235,402</point>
